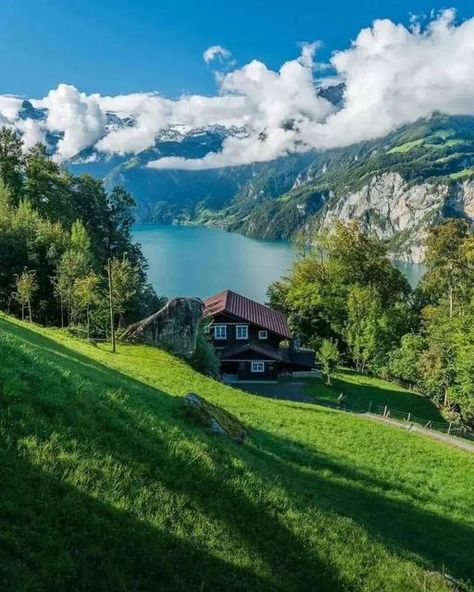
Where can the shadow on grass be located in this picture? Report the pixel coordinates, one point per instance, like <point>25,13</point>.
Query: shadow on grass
<point>54,537</point>
<point>52,527</point>
<point>138,426</point>
<point>371,503</point>
<point>360,391</point>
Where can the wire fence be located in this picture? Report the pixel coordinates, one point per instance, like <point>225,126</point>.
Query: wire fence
<point>450,428</point>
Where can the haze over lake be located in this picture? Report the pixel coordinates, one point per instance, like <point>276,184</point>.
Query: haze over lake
<point>199,261</point>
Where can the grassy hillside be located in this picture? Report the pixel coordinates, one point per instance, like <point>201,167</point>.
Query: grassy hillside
<point>104,486</point>
<point>361,390</point>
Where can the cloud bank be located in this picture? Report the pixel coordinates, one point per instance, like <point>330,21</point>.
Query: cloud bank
<point>393,75</point>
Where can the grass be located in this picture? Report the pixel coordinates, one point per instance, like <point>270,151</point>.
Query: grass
<point>407,146</point>
<point>402,148</point>
<point>361,390</point>
<point>464,174</point>
<point>105,486</point>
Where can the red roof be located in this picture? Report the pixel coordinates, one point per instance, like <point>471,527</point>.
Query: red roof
<point>243,308</point>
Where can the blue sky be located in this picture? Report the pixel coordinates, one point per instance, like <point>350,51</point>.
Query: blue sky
<point>123,46</point>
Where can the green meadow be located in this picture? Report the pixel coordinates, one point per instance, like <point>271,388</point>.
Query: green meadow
<point>105,486</point>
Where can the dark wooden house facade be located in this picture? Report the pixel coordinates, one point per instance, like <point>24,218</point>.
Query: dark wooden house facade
<point>252,340</point>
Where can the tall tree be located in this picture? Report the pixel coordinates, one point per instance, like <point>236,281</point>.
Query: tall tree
<point>450,268</point>
<point>46,186</point>
<point>329,357</point>
<point>126,282</point>
<point>365,325</point>
<point>26,286</point>
<point>11,161</point>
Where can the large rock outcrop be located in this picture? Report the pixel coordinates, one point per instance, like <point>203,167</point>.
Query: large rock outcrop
<point>400,212</point>
<point>175,327</point>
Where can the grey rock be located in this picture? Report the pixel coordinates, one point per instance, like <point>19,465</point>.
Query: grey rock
<point>401,213</point>
<point>213,418</point>
<point>175,327</point>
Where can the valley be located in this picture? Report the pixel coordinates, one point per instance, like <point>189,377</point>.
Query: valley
<point>396,186</point>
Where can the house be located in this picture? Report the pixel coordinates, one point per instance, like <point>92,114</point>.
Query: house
<point>252,340</point>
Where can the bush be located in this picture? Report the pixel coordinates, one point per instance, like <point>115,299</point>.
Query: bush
<point>205,359</point>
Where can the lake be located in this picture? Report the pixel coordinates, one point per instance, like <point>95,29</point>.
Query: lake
<point>200,261</point>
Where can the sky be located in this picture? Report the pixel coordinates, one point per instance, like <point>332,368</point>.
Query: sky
<point>253,68</point>
<point>123,46</point>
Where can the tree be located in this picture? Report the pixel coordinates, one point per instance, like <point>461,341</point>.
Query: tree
<point>329,356</point>
<point>450,273</point>
<point>85,295</point>
<point>46,186</point>
<point>315,295</point>
<point>26,287</point>
<point>75,265</point>
<point>365,325</point>
<point>404,361</point>
<point>125,285</point>
<point>438,360</point>
<point>11,161</point>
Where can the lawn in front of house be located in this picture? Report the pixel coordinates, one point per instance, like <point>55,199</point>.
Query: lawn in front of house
<point>360,390</point>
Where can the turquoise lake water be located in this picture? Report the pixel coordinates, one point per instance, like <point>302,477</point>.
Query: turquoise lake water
<point>200,261</point>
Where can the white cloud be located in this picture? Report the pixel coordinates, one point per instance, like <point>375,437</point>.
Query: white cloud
<point>32,132</point>
<point>393,75</point>
<point>9,108</point>
<point>77,115</point>
<point>216,52</point>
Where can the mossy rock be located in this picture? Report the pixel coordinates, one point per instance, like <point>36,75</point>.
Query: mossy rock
<point>215,419</point>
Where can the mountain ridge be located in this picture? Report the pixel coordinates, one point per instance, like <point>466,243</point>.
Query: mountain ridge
<point>396,186</point>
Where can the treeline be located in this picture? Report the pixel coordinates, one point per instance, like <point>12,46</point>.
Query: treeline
<point>345,299</point>
<point>57,233</point>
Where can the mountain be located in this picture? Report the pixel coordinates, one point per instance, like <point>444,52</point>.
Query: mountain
<point>396,185</point>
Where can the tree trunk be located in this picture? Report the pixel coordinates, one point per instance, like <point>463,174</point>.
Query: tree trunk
<point>88,323</point>
<point>22,312</point>
<point>29,311</point>
<point>62,311</point>
<point>446,398</point>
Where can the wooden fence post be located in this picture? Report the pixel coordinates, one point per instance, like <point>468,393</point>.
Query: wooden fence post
<point>385,411</point>
<point>370,407</point>
<point>449,427</point>
<point>409,417</point>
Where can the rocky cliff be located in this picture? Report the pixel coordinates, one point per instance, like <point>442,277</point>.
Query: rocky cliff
<point>400,212</point>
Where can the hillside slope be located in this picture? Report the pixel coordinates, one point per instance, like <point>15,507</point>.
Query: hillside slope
<point>396,186</point>
<point>105,486</point>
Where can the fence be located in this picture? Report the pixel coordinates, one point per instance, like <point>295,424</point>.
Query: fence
<point>452,428</point>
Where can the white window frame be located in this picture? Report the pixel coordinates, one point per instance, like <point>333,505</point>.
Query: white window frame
<point>257,366</point>
<point>262,334</point>
<point>220,332</point>
<point>240,337</point>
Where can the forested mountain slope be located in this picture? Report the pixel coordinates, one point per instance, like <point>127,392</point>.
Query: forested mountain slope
<point>106,486</point>
<point>396,185</point>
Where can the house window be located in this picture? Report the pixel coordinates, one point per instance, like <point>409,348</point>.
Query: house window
<point>220,332</point>
<point>258,367</point>
<point>242,332</point>
<point>263,334</point>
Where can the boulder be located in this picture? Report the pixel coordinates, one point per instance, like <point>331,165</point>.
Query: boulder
<point>175,327</point>
<point>215,419</point>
